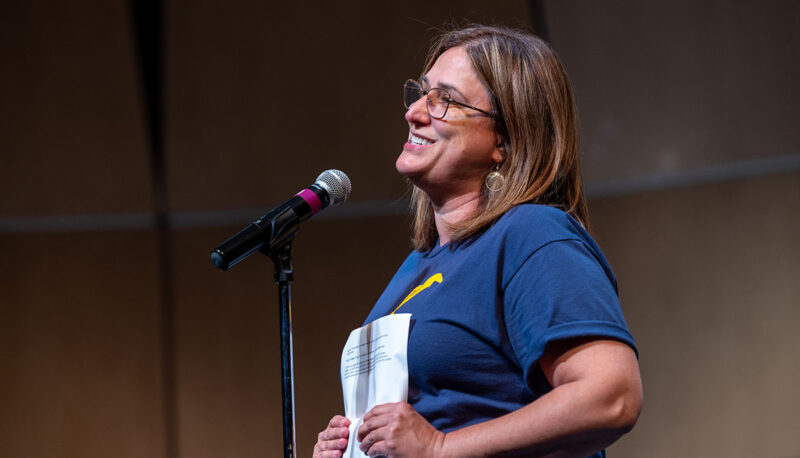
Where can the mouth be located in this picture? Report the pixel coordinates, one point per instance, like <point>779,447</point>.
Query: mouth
<point>417,140</point>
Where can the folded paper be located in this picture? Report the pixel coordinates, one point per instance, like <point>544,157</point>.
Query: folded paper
<point>374,370</point>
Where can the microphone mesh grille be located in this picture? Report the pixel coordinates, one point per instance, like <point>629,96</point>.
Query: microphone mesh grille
<point>337,184</point>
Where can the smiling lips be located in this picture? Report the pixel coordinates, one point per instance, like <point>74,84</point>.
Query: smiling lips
<point>415,140</point>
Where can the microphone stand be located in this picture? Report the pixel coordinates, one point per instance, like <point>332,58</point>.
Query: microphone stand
<point>284,275</point>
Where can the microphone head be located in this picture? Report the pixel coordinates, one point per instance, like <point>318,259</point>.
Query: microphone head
<point>336,183</point>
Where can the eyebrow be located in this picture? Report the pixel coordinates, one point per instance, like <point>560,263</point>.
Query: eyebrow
<point>446,86</point>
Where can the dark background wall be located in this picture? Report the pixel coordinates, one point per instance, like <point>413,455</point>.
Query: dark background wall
<point>118,338</point>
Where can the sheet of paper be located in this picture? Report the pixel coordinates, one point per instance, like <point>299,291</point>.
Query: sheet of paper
<point>374,370</point>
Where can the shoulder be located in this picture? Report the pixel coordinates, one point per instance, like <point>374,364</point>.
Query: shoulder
<point>533,226</point>
<point>547,234</point>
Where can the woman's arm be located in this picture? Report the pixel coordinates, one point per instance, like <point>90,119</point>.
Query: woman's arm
<point>596,398</point>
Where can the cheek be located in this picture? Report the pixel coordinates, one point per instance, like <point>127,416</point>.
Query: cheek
<point>479,147</point>
<point>467,144</point>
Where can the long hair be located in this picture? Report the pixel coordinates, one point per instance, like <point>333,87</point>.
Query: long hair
<point>537,120</point>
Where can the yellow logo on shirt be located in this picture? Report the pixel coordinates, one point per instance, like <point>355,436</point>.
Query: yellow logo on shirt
<point>435,278</point>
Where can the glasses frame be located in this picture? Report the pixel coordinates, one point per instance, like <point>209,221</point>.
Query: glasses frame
<point>416,84</point>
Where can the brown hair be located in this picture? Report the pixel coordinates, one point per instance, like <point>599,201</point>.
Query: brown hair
<point>536,118</point>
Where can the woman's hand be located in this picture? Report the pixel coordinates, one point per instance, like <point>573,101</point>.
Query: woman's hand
<point>332,442</point>
<point>397,431</point>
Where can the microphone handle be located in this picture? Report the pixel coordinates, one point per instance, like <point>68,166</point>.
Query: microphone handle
<point>271,230</point>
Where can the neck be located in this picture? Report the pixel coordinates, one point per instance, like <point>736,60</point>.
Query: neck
<point>453,211</point>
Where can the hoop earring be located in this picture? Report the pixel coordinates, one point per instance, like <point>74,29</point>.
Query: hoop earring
<point>495,181</point>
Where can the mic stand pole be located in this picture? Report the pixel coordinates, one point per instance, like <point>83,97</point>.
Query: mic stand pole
<point>284,275</point>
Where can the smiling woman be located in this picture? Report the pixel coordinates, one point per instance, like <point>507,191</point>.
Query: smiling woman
<point>536,119</point>
<point>518,346</point>
<point>451,146</point>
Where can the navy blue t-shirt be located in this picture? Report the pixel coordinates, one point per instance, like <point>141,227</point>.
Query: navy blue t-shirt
<point>483,311</point>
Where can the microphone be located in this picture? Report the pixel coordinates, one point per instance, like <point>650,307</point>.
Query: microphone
<point>277,227</point>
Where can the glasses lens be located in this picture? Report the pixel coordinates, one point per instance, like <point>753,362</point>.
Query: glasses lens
<point>411,93</point>
<point>438,99</point>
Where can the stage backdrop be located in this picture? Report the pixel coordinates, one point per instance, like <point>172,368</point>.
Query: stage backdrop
<point>119,338</point>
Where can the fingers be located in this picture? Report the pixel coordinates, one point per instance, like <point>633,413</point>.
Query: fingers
<point>333,440</point>
<point>337,429</point>
<point>333,434</point>
<point>331,454</point>
<point>372,429</point>
<point>397,430</point>
<point>367,443</point>
<point>379,444</point>
<point>380,416</point>
<point>383,409</point>
<point>337,421</point>
<point>371,425</point>
<point>331,445</point>
<point>330,448</point>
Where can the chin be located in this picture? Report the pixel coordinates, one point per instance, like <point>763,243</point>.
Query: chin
<point>416,178</point>
<point>405,166</point>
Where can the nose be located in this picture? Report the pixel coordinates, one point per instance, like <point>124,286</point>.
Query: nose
<point>417,113</point>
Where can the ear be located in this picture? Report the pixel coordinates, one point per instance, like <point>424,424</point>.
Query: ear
<point>499,152</point>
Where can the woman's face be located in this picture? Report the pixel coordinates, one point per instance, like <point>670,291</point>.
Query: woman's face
<point>450,157</point>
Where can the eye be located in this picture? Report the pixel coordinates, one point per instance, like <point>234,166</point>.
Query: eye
<point>437,96</point>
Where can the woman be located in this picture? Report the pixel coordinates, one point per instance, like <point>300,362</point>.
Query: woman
<point>518,346</point>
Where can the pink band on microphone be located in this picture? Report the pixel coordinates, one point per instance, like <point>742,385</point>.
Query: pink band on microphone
<point>311,199</point>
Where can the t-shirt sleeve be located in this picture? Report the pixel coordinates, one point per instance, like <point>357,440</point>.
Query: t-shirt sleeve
<point>560,291</point>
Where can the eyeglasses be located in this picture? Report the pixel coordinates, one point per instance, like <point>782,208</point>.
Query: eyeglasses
<point>437,99</point>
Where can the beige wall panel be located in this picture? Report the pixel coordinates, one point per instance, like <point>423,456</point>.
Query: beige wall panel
<point>264,96</point>
<point>708,280</point>
<point>670,86</point>
<point>80,372</point>
<point>71,135</point>
<point>229,341</point>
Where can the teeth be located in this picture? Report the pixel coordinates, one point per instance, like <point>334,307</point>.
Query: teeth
<point>419,141</point>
